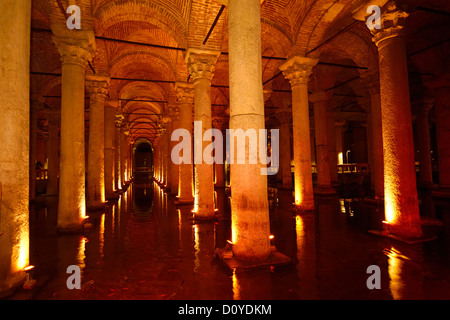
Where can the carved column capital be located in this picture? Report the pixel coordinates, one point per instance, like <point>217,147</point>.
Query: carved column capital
<point>174,113</point>
<point>75,47</point>
<point>392,23</point>
<point>298,69</point>
<point>201,63</point>
<point>98,86</point>
<point>185,92</point>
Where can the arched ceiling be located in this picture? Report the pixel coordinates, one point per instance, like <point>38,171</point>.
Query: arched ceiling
<point>141,44</point>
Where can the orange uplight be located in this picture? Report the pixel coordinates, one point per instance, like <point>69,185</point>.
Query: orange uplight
<point>26,269</point>
<point>271,237</point>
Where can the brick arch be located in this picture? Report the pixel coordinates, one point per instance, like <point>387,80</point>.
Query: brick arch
<point>157,14</point>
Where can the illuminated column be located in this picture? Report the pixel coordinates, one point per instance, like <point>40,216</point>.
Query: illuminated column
<point>249,203</point>
<point>320,101</point>
<point>110,147</point>
<point>284,115</point>
<point>123,153</point>
<point>221,124</point>
<point>14,156</point>
<point>36,104</point>
<point>442,112</point>
<point>424,142</point>
<point>53,118</point>
<point>166,150</point>
<point>338,128</point>
<point>201,65</point>
<point>174,113</point>
<point>185,98</point>
<point>297,70</point>
<point>76,49</point>
<point>371,79</point>
<point>117,163</point>
<point>332,155</point>
<point>400,193</point>
<point>98,88</point>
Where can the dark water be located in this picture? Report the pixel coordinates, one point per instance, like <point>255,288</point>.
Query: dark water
<point>142,247</point>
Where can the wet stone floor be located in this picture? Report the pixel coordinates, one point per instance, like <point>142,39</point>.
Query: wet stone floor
<point>142,247</point>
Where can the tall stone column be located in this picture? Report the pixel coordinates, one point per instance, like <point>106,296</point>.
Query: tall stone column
<point>174,113</point>
<point>110,147</point>
<point>400,193</point>
<point>14,157</point>
<point>53,118</point>
<point>284,115</point>
<point>297,70</point>
<point>36,104</point>
<point>441,87</point>
<point>424,142</point>
<point>118,182</point>
<point>76,49</point>
<point>371,79</point>
<point>221,124</point>
<point>332,155</point>
<point>201,65</point>
<point>185,98</point>
<point>250,226</point>
<point>123,153</point>
<point>320,101</point>
<point>98,87</point>
<point>338,128</point>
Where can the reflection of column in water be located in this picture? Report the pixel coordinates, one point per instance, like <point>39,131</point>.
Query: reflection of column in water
<point>406,281</point>
<point>306,255</point>
<point>253,285</point>
<point>101,236</point>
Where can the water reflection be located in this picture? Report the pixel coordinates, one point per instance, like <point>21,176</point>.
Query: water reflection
<point>143,247</point>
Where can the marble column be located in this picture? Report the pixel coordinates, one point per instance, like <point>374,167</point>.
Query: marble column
<point>220,123</point>
<point>123,153</point>
<point>332,155</point>
<point>297,70</point>
<point>400,192</point>
<point>441,88</point>
<point>371,79</point>
<point>320,101</point>
<point>284,115</point>
<point>54,119</point>
<point>14,157</point>
<point>35,105</point>
<point>110,147</point>
<point>424,142</point>
<point>118,182</point>
<point>185,98</point>
<point>338,129</point>
<point>174,113</point>
<point>201,65</point>
<point>76,49</point>
<point>98,89</point>
<point>250,225</point>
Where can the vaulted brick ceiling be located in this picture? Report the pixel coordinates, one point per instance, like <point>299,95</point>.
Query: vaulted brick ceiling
<point>289,27</point>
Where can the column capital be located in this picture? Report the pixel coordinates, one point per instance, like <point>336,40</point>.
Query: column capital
<point>339,123</point>
<point>185,92</point>
<point>75,46</point>
<point>112,103</point>
<point>201,63</point>
<point>267,94</point>
<point>174,113</point>
<point>298,69</point>
<point>319,96</point>
<point>440,81</point>
<point>37,101</point>
<point>392,23</point>
<point>98,86</point>
<point>119,120</point>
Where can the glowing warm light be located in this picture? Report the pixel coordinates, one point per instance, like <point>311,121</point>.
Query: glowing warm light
<point>340,158</point>
<point>396,262</point>
<point>197,248</point>
<point>236,287</point>
<point>102,235</point>
<point>81,252</point>
<point>23,249</point>
<point>230,242</point>
<point>28,268</point>
<point>271,237</point>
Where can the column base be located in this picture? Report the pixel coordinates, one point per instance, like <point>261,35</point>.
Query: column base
<point>387,234</point>
<point>12,285</point>
<point>95,206</point>
<point>204,218</point>
<point>275,258</point>
<point>75,228</point>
